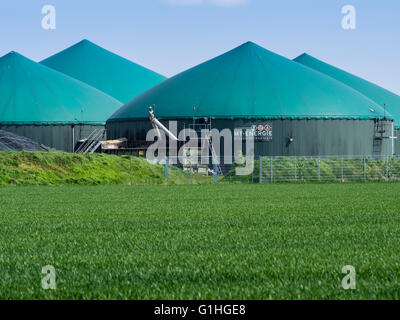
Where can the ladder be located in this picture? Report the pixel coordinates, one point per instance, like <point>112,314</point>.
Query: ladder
<point>207,127</point>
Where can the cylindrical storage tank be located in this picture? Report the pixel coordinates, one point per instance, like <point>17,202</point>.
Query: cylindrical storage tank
<point>298,111</point>
<point>47,106</point>
<point>389,101</point>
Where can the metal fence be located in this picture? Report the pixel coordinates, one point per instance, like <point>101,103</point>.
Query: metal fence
<point>342,168</point>
<point>286,169</point>
<point>196,169</point>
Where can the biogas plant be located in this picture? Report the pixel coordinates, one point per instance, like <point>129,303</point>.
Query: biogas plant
<point>297,109</point>
<point>87,99</point>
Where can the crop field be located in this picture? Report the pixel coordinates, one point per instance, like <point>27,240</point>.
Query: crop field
<point>283,241</point>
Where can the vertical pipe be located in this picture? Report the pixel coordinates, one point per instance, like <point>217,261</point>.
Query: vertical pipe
<point>260,170</point>
<point>73,139</point>
<point>295,168</point>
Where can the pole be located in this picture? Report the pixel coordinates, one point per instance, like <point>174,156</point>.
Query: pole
<point>166,167</point>
<point>260,170</point>
<point>341,168</point>
<point>295,168</point>
<point>365,169</point>
<point>272,172</point>
<point>387,167</point>
<point>215,173</point>
<point>319,169</point>
<point>191,173</point>
<point>73,139</point>
<point>393,138</point>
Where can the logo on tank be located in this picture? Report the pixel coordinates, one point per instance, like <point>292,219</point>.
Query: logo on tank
<point>260,132</point>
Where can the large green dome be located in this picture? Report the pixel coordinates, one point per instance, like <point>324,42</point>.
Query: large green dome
<point>31,93</point>
<point>378,94</point>
<point>254,83</point>
<point>104,70</point>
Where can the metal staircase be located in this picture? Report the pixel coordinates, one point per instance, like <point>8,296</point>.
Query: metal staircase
<point>92,142</point>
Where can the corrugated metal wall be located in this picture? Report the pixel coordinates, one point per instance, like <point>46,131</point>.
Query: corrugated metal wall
<point>397,142</point>
<point>312,137</point>
<point>54,136</point>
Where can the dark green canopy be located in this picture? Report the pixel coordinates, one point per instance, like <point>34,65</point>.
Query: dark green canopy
<point>253,83</point>
<point>104,70</point>
<point>31,93</point>
<point>378,94</point>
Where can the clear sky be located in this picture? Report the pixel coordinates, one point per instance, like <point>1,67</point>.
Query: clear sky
<point>170,36</point>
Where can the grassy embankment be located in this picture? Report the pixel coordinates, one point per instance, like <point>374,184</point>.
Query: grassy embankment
<point>56,168</point>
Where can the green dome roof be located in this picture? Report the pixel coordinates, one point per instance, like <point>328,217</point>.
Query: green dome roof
<point>250,82</point>
<point>378,94</point>
<point>31,93</point>
<point>104,70</point>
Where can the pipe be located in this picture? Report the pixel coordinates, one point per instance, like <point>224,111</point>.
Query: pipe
<point>393,138</point>
<point>73,138</point>
<point>158,125</point>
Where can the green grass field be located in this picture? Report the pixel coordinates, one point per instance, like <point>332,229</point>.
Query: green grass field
<point>287,241</point>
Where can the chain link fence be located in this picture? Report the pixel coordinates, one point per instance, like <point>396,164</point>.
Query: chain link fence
<point>285,169</point>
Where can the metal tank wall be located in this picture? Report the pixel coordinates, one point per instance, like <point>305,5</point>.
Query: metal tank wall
<point>54,136</point>
<point>397,142</point>
<point>311,137</point>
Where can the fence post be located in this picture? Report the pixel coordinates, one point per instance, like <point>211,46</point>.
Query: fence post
<point>272,172</point>
<point>319,168</point>
<point>215,173</point>
<point>295,168</point>
<point>387,167</point>
<point>191,173</point>
<point>260,169</point>
<point>365,169</point>
<point>166,167</point>
<point>341,168</point>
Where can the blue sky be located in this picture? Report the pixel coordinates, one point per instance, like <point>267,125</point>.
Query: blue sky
<point>170,36</point>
